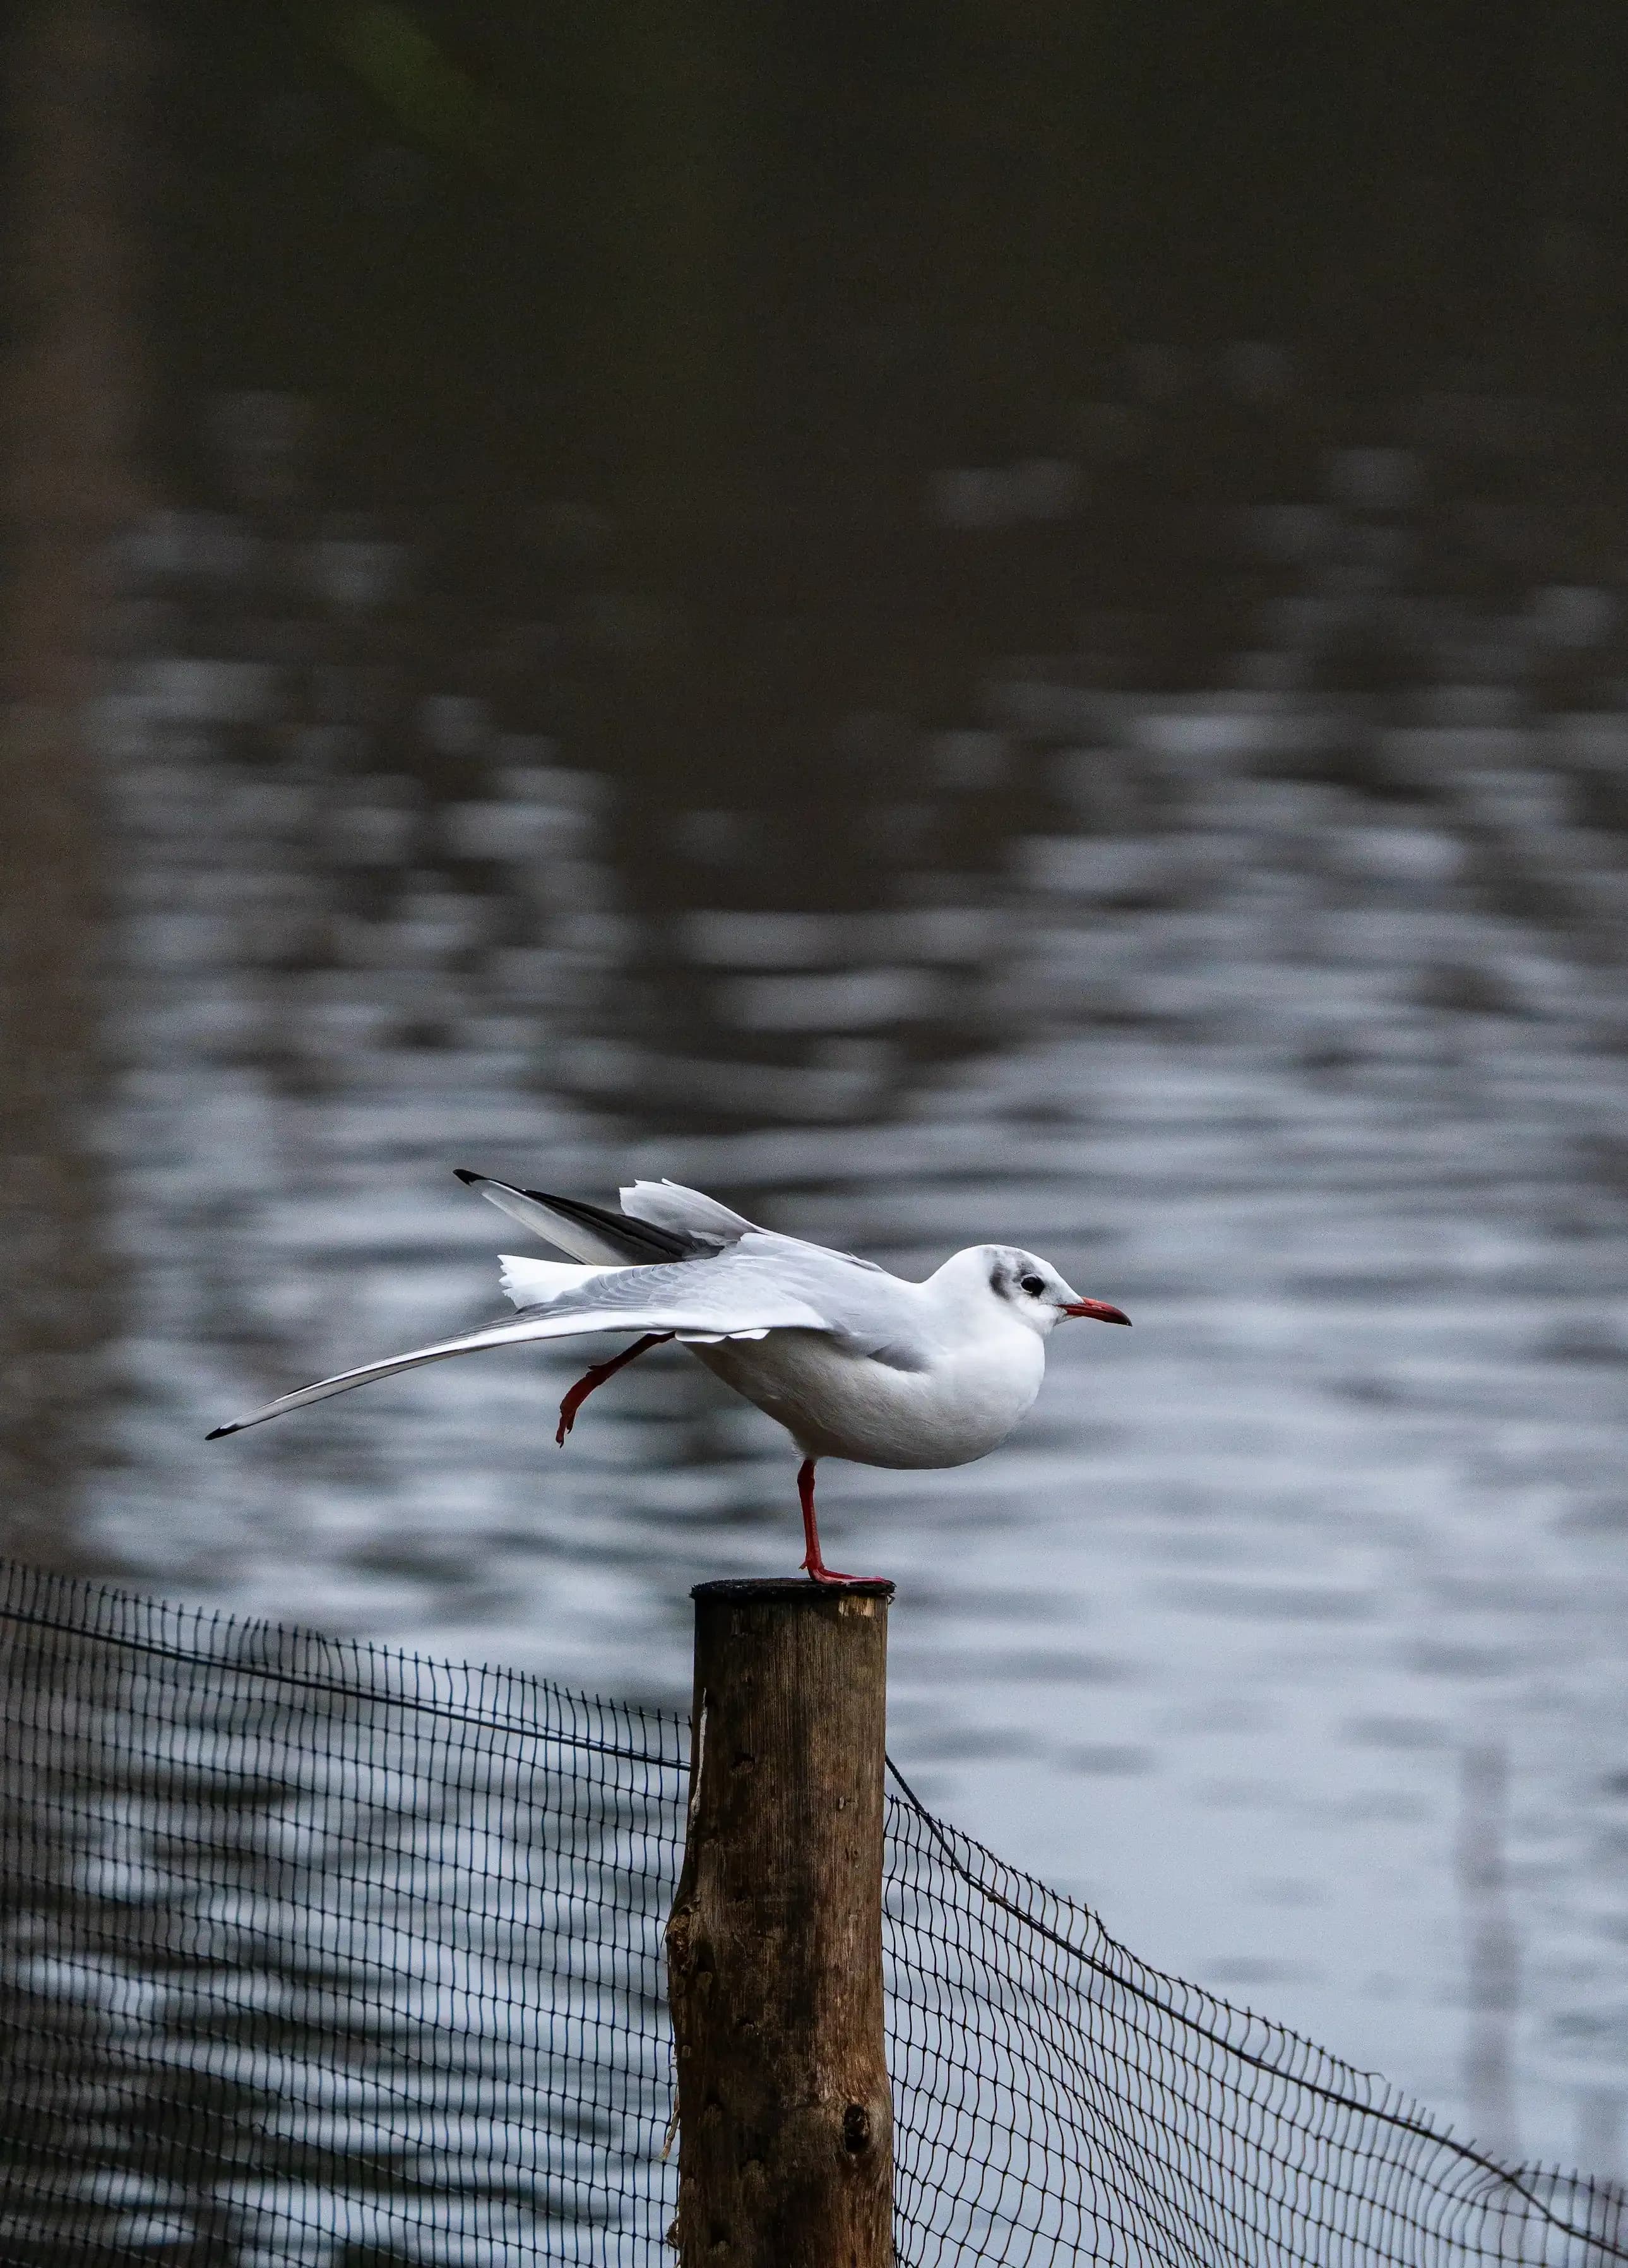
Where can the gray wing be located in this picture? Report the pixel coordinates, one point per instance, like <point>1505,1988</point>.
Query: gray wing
<point>701,1221</point>
<point>710,1227</point>
<point>586,1232</point>
<point>868,1310</point>
<point>720,1298</point>
<point>659,1221</point>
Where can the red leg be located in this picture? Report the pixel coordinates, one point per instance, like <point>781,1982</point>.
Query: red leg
<point>815,1566</point>
<point>597,1376</point>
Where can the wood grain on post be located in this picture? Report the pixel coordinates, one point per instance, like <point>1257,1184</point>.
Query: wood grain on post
<point>774,1943</point>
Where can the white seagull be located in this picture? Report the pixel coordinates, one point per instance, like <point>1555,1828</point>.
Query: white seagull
<point>852,1362</point>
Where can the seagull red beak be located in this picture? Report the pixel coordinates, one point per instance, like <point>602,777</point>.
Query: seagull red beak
<point>1098,1310</point>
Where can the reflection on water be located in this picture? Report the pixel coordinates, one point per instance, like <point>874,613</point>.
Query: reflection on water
<point>316,1954</point>
<point>1285,1007</point>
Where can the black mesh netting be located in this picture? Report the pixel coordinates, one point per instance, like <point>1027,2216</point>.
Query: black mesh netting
<point>316,1952</point>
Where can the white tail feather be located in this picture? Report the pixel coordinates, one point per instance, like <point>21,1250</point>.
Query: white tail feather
<point>530,1283</point>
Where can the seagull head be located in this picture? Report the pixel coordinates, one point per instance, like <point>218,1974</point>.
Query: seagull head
<point>1024,1285</point>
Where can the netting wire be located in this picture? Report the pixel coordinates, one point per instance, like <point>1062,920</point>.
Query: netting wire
<point>315,1954</point>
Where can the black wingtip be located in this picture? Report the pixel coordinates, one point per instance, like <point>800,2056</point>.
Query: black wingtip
<point>468,1179</point>
<point>220,1432</point>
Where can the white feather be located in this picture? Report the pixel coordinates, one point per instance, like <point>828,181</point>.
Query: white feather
<point>686,1212</point>
<point>532,1282</point>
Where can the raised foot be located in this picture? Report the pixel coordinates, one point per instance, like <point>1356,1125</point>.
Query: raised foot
<point>597,1376</point>
<point>573,1402</point>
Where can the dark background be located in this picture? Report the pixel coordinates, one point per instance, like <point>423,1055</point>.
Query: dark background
<point>804,251</point>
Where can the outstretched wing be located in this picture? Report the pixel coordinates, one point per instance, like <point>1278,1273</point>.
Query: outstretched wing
<point>721,1300</point>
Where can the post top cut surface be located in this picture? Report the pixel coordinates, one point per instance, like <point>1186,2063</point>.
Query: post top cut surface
<point>789,1590</point>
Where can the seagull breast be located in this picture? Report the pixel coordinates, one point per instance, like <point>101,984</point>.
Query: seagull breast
<point>954,1404</point>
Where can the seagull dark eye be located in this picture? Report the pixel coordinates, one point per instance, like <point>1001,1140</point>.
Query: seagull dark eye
<point>1033,1285</point>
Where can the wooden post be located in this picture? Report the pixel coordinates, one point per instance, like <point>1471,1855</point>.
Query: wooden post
<point>774,1943</point>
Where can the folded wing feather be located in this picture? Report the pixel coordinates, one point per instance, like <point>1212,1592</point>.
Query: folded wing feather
<point>586,1232</point>
<point>685,1212</point>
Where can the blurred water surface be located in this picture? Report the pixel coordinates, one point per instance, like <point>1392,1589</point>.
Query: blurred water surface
<point>1252,947</point>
